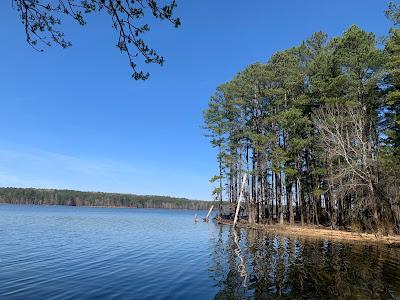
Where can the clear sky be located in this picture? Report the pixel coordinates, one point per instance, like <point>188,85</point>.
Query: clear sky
<point>74,119</point>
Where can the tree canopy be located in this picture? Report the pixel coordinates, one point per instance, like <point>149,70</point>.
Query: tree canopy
<point>317,129</point>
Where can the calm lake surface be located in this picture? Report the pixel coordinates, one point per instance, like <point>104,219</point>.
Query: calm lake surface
<point>54,252</point>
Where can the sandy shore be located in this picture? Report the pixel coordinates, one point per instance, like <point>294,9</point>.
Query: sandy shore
<point>318,232</point>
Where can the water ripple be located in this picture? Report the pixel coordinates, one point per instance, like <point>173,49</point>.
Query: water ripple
<point>94,253</point>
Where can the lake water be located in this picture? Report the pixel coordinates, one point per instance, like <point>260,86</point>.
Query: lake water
<point>98,253</point>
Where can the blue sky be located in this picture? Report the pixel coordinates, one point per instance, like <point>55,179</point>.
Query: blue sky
<point>74,119</point>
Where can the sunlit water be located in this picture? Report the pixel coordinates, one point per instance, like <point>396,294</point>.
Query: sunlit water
<point>98,253</point>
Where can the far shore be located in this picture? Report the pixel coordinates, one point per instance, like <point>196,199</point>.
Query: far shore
<point>99,206</point>
<point>309,231</point>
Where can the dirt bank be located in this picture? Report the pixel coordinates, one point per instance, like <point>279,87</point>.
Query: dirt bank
<point>318,232</point>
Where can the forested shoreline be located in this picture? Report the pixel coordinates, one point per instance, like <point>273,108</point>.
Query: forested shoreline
<point>317,128</point>
<point>78,198</point>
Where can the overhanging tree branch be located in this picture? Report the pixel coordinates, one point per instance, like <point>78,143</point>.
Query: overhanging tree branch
<point>42,21</point>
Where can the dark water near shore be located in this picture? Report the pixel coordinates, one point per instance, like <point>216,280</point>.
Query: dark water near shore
<point>99,253</point>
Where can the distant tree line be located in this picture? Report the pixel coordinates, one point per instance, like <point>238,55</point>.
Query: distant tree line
<point>317,128</point>
<point>77,198</point>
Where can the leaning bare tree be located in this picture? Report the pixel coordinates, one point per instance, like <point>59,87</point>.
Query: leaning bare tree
<point>42,20</point>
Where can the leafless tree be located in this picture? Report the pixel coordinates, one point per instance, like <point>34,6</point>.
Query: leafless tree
<point>352,162</point>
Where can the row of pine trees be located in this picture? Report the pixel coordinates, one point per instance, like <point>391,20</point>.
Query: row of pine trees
<point>317,129</point>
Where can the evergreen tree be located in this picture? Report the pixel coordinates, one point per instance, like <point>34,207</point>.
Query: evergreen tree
<point>306,126</point>
<point>392,99</point>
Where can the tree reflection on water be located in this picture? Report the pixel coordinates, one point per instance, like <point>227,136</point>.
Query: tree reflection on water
<point>255,264</point>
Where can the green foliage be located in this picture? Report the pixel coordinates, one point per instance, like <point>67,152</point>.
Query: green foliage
<point>269,118</point>
<point>216,191</point>
<point>392,99</point>
<point>393,13</point>
<point>215,178</point>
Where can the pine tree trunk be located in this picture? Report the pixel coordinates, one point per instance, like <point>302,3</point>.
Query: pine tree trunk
<point>279,188</point>
<point>220,182</point>
<point>266,210</point>
<point>275,186</point>
<point>289,203</point>
<point>300,201</point>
